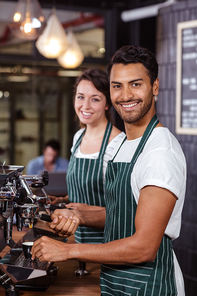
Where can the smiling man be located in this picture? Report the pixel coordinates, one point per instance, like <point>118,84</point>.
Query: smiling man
<point>145,189</point>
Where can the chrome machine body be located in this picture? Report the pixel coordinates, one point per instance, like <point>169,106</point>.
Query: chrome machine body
<point>22,196</point>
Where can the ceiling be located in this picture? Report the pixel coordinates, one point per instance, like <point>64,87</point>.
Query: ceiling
<point>90,35</point>
<point>99,4</point>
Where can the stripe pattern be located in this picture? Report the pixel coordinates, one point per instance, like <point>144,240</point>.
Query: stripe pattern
<point>85,185</point>
<point>151,279</point>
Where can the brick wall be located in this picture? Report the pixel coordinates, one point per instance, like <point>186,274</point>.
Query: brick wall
<point>186,245</point>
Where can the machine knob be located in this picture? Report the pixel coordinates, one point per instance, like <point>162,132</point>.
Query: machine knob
<point>45,177</point>
<point>37,185</point>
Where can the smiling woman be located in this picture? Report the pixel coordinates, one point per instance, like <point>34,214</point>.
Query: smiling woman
<point>93,146</point>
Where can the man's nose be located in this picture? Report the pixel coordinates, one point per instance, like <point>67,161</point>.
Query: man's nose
<point>127,93</point>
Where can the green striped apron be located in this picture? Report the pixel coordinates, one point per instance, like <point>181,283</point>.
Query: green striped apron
<point>151,279</point>
<point>85,185</point>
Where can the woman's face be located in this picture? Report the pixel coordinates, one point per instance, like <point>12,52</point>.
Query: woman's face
<point>90,104</point>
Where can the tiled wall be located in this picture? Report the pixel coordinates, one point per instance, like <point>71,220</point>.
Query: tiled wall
<point>186,245</point>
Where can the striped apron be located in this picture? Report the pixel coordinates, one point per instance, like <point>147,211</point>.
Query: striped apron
<point>153,278</point>
<point>85,185</point>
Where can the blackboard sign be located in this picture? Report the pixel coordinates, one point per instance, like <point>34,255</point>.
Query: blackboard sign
<point>186,88</point>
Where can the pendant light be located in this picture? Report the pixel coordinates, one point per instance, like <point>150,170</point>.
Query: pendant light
<point>53,41</point>
<point>73,56</point>
<point>27,20</point>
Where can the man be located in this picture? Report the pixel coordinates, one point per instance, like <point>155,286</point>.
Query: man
<point>50,160</point>
<point>145,188</point>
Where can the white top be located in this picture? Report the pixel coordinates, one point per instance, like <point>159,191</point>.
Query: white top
<point>111,150</point>
<point>161,163</point>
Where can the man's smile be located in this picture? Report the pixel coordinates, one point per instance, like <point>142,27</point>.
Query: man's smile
<point>129,105</point>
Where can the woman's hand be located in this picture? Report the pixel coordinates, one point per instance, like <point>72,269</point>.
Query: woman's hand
<point>81,207</point>
<point>55,200</point>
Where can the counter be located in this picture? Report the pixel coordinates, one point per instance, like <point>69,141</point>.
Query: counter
<point>65,282</point>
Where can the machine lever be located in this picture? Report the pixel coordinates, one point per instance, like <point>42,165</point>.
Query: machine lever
<point>46,218</point>
<point>53,207</point>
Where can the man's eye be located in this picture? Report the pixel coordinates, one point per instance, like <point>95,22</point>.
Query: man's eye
<point>135,84</point>
<point>116,86</point>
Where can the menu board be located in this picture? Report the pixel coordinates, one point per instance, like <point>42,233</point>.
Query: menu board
<point>186,86</point>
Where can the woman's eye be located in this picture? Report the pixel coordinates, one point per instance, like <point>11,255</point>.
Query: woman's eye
<point>95,100</point>
<point>80,97</point>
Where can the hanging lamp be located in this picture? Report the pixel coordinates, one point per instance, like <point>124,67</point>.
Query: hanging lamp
<point>73,56</point>
<point>53,41</point>
<point>27,20</point>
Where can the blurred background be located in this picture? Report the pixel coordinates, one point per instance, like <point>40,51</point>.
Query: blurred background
<point>36,90</point>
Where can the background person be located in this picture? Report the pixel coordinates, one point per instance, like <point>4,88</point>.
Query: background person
<point>144,189</point>
<point>93,146</point>
<point>50,160</point>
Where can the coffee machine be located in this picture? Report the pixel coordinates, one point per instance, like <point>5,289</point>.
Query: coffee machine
<point>23,197</point>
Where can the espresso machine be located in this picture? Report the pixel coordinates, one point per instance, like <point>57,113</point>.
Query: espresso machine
<point>23,197</point>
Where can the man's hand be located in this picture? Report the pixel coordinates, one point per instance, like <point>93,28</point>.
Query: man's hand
<point>64,222</point>
<point>48,249</point>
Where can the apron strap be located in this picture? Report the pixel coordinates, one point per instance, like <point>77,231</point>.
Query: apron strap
<point>78,142</point>
<point>105,139</point>
<point>152,124</point>
<point>118,149</point>
<point>104,142</point>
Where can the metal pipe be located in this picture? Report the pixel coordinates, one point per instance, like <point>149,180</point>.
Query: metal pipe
<point>144,12</point>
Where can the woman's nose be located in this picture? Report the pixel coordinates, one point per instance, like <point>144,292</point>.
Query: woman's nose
<point>86,104</point>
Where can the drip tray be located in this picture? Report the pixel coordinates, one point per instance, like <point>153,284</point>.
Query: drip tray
<point>14,267</point>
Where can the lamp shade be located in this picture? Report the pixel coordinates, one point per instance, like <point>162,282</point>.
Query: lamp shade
<point>73,56</point>
<point>27,20</point>
<point>53,41</point>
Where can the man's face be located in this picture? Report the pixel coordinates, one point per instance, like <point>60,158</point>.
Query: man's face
<point>132,94</point>
<point>50,155</point>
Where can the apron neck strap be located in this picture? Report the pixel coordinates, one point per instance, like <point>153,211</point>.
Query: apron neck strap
<point>152,124</point>
<point>105,139</point>
<point>104,142</point>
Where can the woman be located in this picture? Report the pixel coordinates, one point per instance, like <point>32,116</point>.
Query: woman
<point>93,146</point>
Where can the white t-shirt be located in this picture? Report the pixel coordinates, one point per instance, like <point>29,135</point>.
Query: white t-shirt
<point>111,149</point>
<point>161,163</point>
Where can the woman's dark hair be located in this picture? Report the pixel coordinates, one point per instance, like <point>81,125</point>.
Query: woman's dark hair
<point>132,54</point>
<point>100,80</point>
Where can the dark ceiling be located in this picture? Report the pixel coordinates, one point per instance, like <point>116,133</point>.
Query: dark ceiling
<point>98,4</point>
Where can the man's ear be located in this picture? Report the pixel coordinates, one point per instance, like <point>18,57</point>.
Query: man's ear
<point>156,87</point>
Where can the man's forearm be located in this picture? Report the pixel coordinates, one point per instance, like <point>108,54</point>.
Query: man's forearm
<point>92,218</point>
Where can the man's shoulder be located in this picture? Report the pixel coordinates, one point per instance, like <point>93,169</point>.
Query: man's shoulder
<point>62,164</point>
<point>163,143</point>
<point>163,138</point>
<point>38,159</point>
<point>62,160</point>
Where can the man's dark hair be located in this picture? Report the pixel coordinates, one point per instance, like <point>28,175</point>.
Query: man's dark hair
<point>132,54</point>
<point>55,144</point>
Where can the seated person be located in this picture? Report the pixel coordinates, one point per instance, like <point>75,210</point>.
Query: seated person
<point>50,160</point>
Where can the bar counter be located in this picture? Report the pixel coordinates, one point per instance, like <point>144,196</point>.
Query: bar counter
<point>65,282</point>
